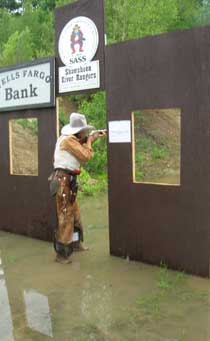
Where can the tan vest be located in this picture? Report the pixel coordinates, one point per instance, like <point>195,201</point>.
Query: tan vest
<point>64,159</point>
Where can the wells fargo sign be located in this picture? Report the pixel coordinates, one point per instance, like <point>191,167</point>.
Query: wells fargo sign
<point>27,85</point>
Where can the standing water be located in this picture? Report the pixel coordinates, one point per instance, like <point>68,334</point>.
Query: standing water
<point>98,297</point>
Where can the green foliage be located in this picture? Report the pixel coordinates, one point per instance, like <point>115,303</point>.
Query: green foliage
<point>128,19</point>
<point>158,153</point>
<point>139,175</point>
<point>171,287</point>
<point>26,36</point>
<point>63,2</point>
<point>165,280</point>
<point>63,118</point>
<point>134,19</point>
<point>147,147</point>
<point>5,28</point>
<point>95,111</point>
<point>30,124</point>
<point>90,186</point>
<point>145,143</point>
<point>42,30</point>
<point>11,5</point>
<point>44,4</point>
<point>153,149</point>
<point>125,19</point>
<point>191,13</point>
<point>18,48</point>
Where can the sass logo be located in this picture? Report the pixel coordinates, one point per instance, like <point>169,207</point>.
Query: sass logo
<point>78,41</point>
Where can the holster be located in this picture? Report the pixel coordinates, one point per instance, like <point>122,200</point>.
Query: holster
<point>80,232</point>
<point>54,183</point>
<point>73,187</point>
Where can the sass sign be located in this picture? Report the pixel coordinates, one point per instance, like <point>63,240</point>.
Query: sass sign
<point>26,86</point>
<point>77,46</point>
<point>78,41</point>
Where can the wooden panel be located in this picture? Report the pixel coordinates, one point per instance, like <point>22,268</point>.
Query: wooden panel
<point>155,223</point>
<point>26,206</point>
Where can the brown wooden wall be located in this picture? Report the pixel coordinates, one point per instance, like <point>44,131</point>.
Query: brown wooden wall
<point>26,206</point>
<point>155,223</point>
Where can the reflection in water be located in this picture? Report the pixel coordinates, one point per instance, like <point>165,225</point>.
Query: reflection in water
<point>6,326</point>
<point>96,304</point>
<point>38,312</point>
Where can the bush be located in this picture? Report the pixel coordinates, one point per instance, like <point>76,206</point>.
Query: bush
<point>90,186</point>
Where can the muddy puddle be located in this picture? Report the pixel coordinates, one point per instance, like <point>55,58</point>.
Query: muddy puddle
<point>97,297</point>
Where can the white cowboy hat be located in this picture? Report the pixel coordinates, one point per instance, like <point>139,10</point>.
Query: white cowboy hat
<point>77,123</point>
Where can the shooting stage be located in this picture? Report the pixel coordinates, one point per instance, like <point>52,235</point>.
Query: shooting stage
<point>148,222</point>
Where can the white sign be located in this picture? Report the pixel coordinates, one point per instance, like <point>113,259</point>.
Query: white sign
<point>78,41</point>
<point>27,86</point>
<point>119,131</point>
<point>80,77</point>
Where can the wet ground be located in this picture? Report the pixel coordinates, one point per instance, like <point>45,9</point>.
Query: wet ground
<point>97,297</point>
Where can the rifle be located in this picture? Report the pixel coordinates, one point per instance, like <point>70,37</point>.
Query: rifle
<point>93,132</point>
<point>99,132</point>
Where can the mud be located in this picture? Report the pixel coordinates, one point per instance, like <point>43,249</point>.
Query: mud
<point>98,297</point>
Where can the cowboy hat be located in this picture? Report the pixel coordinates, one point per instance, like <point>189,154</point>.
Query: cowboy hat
<point>77,123</point>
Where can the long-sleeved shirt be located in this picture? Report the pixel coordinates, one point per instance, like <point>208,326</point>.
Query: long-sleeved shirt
<point>81,151</point>
<point>70,153</point>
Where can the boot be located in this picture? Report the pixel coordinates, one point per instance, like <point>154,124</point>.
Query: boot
<point>62,260</point>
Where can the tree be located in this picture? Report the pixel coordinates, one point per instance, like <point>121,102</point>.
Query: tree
<point>128,19</point>
<point>18,49</point>
<point>11,5</point>
<point>44,4</point>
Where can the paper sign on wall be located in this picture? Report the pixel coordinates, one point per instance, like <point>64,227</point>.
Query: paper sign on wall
<point>119,131</point>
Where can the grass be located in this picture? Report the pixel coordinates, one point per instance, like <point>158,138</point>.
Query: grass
<point>150,157</point>
<point>89,186</point>
<point>159,153</point>
<point>10,259</point>
<point>171,288</point>
<point>156,147</point>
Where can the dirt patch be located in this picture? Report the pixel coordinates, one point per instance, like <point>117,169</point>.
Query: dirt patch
<point>24,147</point>
<point>157,145</point>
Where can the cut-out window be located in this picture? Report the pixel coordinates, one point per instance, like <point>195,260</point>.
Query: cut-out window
<point>156,146</point>
<point>24,146</point>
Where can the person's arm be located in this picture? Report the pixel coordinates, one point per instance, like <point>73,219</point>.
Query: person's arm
<point>83,152</point>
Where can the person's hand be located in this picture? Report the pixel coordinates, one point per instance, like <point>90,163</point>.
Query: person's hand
<point>100,133</point>
<point>96,135</point>
<point>92,138</point>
